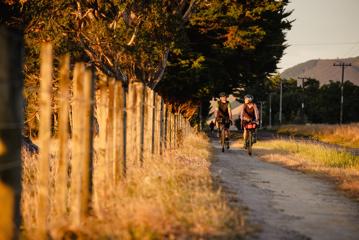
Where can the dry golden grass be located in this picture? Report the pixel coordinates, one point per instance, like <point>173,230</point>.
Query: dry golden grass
<point>6,205</point>
<point>339,166</point>
<point>170,197</point>
<point>346,135</point>
<point>28,194</point>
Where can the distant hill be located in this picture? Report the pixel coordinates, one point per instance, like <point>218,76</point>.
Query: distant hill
<point>323,70</point>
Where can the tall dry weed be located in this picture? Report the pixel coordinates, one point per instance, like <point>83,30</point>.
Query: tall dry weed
<point>170,196</point>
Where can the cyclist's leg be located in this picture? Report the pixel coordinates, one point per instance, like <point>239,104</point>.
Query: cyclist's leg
<point>227,133</point>
<point>226,125</point>
<point>255,135</point>
<point>220,129</point>
<point>227,137</point>
<point>218,124</point>
<point>245,137</point>
<point>222,137</point>
<point>226,130</point>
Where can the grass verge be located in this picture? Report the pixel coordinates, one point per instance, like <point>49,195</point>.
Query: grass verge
<point>170,197</point>
<point>346,135</point>
<point>343,167</point>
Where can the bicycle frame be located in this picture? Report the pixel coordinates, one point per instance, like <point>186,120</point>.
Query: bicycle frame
<point>251,128</point>
<point>222,129</point>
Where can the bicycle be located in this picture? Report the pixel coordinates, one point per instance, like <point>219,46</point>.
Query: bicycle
<point>251,129</point>
<point>223,126</point>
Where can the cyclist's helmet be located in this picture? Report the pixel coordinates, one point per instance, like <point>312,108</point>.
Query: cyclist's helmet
<point>222,94</point>
<point>249,97</point>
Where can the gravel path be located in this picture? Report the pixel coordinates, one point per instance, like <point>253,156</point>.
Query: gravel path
<point>286,204</point>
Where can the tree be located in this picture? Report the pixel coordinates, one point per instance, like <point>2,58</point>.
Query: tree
<point>210,45</point>
<point>126,40</point>
<point>233,46</point>
<point>322,103</point>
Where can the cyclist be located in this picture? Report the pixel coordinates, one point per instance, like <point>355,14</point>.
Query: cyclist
<point>223,114</point>
<point>249,112</point>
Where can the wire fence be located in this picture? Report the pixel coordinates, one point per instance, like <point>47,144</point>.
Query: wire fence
<point>98,131</point>
<point>84,131</point>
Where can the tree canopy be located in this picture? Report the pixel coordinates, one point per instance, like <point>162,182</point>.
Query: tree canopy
<point>188,50</point>
<point>232,46</point>
<point>321,102</point>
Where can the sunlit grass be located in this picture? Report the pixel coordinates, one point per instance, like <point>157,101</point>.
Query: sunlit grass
<point>340,166</point>
<point>170,197</point>
<point>346,135</point>
<point>315,153</point>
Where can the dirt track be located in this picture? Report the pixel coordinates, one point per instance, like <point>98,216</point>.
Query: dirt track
<point>286,204</point>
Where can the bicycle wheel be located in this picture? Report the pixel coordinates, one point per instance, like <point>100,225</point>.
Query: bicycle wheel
<point>250,142</point>
<point>222,138</point>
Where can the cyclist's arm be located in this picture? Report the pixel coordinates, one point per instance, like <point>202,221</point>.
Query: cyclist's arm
<point>216,111</point>
<point>241,110</point>
<point>256,112</point>
<point>241,113</point>
<point>229,111</point>
<point>241,107</point>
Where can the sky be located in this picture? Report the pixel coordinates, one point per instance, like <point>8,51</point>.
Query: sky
<point>323,29</point>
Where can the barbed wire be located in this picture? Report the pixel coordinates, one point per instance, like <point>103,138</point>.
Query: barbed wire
<point>166,120</point>
<point>10,165</point>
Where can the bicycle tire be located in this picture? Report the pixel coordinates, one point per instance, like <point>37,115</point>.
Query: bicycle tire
<point>222,137</point>
<point>250,142</point>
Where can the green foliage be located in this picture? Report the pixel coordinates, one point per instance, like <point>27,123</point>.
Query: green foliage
<point>126,40</point>
<point>321,103</point>
<point>241,43</point>
<point>220,45</point>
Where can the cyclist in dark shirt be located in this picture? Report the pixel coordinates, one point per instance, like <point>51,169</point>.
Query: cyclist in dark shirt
<point>249,113</point>
<point>223,113</point>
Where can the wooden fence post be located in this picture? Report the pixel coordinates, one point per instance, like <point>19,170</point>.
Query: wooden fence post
<point>7,212</point>
<point>158,124</point>
<point>136,122</point>
<point>44,140</point>
<point>175,121</point>
<point>148,122</point>
<point>161,126</point>
<point>11,119</point>
<point>183,124</point>
<point>132,126</point>
<point>77,150</point>
<point>141,119</point>
<point>165,135</point>
<point>110,131</point>
<point>169,126</point>
<point>61,176</point>
<point>124,157</point>
<point>176,129</point>
<point>172,130</point>
<point>153,122</point>
<point>100,172</point>
<point>87,143</point>
<point>179,130</point>
<point>119,132</point>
